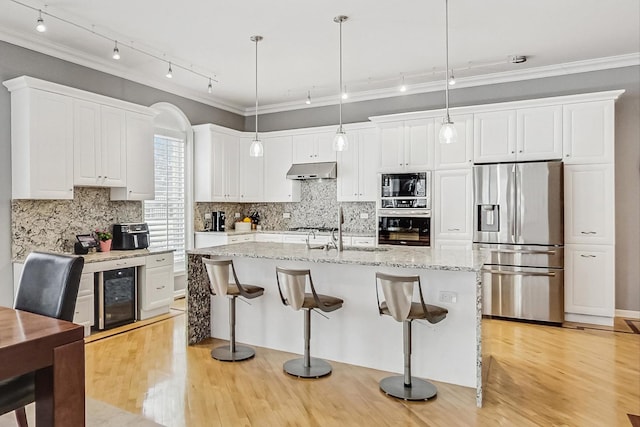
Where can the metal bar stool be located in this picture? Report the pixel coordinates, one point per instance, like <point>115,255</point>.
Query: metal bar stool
<point>398,292</point>
<point>292,286</point>
<point>218,272</point>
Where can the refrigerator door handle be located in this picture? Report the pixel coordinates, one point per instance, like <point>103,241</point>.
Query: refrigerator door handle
<point>519,273</point>
<point>520,203</point>
<point>516,251</point>
<point>511,207</point>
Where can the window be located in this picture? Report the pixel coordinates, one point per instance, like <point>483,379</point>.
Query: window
<point>166,214</point>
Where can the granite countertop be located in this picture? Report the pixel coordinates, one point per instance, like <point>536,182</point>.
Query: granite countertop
<point>113,255</point>
<point>318,233</point>
<point>387,256</point>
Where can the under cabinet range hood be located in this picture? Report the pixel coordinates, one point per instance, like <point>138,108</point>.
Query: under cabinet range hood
<point>324,170</point>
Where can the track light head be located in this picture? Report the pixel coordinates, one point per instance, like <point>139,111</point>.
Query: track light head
<point>169,72</point>
<point>210,87</point>
<point>452,79</point>
<point>308,100</point>
<point>40,26</point>
<point>517,59</point>
<point>116,51</point>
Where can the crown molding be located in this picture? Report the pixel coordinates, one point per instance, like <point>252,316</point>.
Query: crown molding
<point>107,66</point>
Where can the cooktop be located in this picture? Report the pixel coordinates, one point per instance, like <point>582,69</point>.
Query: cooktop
<point>308,229</point>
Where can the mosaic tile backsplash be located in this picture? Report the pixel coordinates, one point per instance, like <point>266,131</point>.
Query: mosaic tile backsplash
<point>318,207</point>
<point>53,224</point>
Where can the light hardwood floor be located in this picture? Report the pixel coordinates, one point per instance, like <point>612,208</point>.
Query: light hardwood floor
<point>534,376</point>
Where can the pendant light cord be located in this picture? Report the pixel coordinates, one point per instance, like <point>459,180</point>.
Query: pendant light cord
<point>341,74</point>
<point>257,40</point>
<point>446,38</point>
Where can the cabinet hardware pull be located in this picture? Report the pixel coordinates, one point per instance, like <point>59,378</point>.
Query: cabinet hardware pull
<point>588,232</point>
<point>516,251</point>
<point>160,260</point>
<point>519,273</point>
<point>453,229</point>
<point>161,287</point>
<point>587,256</point>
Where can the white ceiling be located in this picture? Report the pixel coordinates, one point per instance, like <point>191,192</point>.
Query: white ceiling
<point>383,40</point>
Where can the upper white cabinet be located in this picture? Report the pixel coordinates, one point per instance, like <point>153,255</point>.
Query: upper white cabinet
<point>41,143</point>
<point>460,153</point>
<point>140,166</point>
<point>216,164</point>
<point>277,161</point>
<point>518,135</point>
<point>407,145</point>
<point>453,199</point>
<point>99,140</point>
<point>357,167</point>
<point>588,132</point>
<point>251,174</point>
<point>313,147</point>
<point>589,204</point>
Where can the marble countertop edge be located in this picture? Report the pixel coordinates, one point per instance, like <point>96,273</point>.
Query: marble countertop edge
<point>108,256</point>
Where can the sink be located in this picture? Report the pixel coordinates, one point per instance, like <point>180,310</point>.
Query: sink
<point>365,249</point>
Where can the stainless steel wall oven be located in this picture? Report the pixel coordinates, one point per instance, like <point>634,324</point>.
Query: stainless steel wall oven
<point>404,230</point>
<point>116,302</point>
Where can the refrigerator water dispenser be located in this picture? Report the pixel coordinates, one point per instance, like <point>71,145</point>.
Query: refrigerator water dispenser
<point>489,216</point>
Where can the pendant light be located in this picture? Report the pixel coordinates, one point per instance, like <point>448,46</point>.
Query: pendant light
<point>40,26</point>
<point>256,149</point>
<point>340,142</point>
<point>448,132</point>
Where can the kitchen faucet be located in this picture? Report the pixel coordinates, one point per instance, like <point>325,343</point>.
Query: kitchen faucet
<point>337,242</point>
<point>311,232</point>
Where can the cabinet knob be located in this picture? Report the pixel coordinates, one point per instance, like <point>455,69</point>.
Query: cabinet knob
<point>512,152</point>
<point>400,164</point>
<point>520,151</point>
<point>355,194</point>
<point>567,155</point>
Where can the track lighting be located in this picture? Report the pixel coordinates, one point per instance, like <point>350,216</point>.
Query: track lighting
<point>40,27</point>
<point>518,59</point>
<point>116,51</point>
<point>452,79</point>
<point>256,149</point>
<point>403,87</point>
<point>345,94</point>
<point>169,72</point>
<point>210,87</point>
<point>340,141</point>
<point>308,101</point>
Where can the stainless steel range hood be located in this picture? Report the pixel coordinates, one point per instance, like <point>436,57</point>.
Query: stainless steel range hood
<point>325,170</point>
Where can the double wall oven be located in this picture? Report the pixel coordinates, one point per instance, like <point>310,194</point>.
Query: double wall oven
<point>404,209</point>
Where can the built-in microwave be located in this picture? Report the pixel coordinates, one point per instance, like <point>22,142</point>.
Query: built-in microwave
<point>405,230</point>
<point>410,191</point>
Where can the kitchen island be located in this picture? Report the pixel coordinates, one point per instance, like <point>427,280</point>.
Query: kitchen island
<point>449,351</point>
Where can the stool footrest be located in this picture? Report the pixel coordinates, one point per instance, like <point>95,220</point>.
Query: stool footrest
<point>418,390</point>
<point>224,354</point>
<point>318,368</point>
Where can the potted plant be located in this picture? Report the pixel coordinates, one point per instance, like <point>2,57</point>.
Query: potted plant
<point>104,236</point>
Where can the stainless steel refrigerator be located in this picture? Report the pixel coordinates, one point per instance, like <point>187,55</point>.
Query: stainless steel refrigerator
<point>519,223</point>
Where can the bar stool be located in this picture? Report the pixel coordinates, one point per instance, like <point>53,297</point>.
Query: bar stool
<point>398,303</point>
<point>292,286</point>
<point>218,272</point>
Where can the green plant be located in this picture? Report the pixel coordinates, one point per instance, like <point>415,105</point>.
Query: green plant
<point>103,235</point>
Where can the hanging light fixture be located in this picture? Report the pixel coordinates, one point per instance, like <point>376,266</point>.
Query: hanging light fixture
<point>169,74</point>
<point>40,27</point>
<point>340,141</point>
<point>256,149</point>
<point>308,101</point>
<point>116,51</point>
<point>448,132</point>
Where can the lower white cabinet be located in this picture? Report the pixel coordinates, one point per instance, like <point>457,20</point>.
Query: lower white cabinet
<point>155,286</point>
<point>208,239</point>
<point>360,241</point>
<point>589,284</point>
<point>269,237</point>
<point>84,313</point>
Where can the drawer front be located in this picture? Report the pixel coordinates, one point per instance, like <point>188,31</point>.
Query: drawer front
<point>160,260</point>
<point>115,264</point>
<point>158,288</point>
<point>363,241</point>
<point>84,311</point>
<point>241,238</point>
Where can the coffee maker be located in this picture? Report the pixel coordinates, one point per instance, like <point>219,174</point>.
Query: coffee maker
<point>217,221</point>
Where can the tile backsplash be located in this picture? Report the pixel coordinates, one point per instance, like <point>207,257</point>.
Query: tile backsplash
<point>52,225</point>
<point>318,207</point>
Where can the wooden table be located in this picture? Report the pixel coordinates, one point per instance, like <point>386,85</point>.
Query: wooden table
<point>55,350</point>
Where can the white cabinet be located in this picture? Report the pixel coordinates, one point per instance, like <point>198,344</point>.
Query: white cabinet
<point>588,132</point>
<point>459,154</point>
<point>84,311</point>
<point>314,147</point>
<point>453,203</point>
<point>216,165</point>
<point>407,145</point>
<point>208,239</point>
<point>240,238</point>
<point>156,286</point>
<point>302,238</point>
<point>99,139</point>
<point>41,143</point>
<point>518,135</point>
<point>357,167</point>
<point>251,174</point>
<point>268,237</point>
<point>277,161</point>
<point>361,241</point>
<point>589,204</point>
<point>140,155</point>
<point>589,282</point>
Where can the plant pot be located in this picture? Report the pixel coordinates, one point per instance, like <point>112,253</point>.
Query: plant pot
<point>105,245</point>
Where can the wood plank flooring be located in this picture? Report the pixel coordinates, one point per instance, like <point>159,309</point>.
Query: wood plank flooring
<point>534,376</point>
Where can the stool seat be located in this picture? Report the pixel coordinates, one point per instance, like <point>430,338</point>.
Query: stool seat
<point>250,291</point>
<point>416,311</point>
<point>329,303</point>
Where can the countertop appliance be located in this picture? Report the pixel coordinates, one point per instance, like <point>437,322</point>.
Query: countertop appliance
<point>130,236</point>
<point>519,223</point>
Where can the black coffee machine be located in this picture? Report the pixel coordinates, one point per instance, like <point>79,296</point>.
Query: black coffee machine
<point>130,236</point>
<point>217,221</point>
